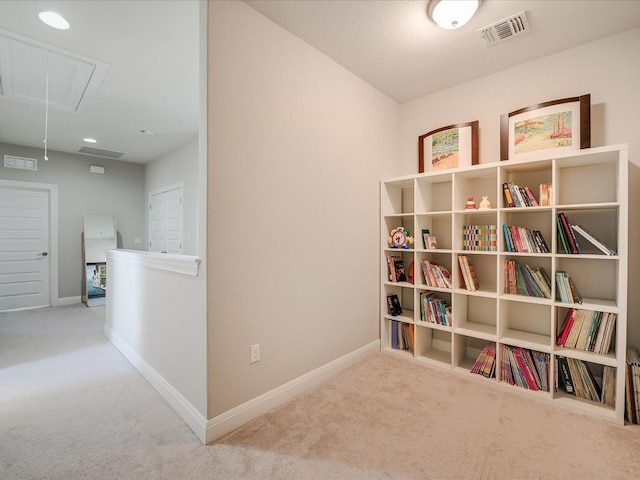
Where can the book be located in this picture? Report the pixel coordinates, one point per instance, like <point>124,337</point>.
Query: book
<point>508,199</point>
<point>565,381</point>
<point>574,246</point>
<point>546,193</point>
<point>593,239</point>
<point>398,270</point>
<point>393,302</point>
<point>469,276</point>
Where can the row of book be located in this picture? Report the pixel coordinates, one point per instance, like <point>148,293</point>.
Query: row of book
<point>435,310</point>
<point>632,386</point>
<point>588,330</point>
<point>402,335</point>
<point>516,196</point>
<point>468,273</point>
<point>525,368</point>
<point>521,279</point>
<point>522,239</point>
<point>395,269</point>
<point>566,290</point>
<point>480,238</point>
<point>568,241</point>
<point>485,364</point>
<point>436,275</point>
<point>576,378</point>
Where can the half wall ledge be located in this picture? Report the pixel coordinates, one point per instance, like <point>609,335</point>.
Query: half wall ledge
<point>183,264</point>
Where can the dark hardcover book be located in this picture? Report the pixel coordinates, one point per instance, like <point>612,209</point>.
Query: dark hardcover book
<point>395,308</point>
<point>571,238</point>
<point>394,334</point>
<point>563,243</point>
<point>398,266</point>
<point>544,248</point>
<point>564,376</point>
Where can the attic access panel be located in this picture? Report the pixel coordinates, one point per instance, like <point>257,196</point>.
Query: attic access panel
<point>73,79</point>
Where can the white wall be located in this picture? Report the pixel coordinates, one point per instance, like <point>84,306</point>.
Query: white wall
<point>297,146</point>
<point>607,69</point>
<point>119,191</point>
<point>180,165</point>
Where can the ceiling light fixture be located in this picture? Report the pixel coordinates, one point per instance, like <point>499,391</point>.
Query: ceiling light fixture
<point>54,20</point>
<point>89,140</point>
<point>452,14</point>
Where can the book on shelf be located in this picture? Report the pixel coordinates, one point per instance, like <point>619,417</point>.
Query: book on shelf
<point>395,267</point>
<point>546,195</point>
<point>566,290</point>
<point>429,241</point>
<point>575,377</point>
<point>568,239</point>
<point>435,275</point>
<point>632,385</point>
<point>587,235</point>
<point>394,306</point>
<point>435,310</point>
<point>525,368</point>
<point>517,196</point>
<point>522,239</point>
<point>588,330</point>
<point>402,335</point>
<point>480,237</point>
<point>485,364</point>
<point>522,279</point>
<point>468,273</point>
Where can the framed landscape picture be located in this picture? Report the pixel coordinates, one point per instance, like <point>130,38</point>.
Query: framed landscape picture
<point>546,129</point>
<point>448,147</point>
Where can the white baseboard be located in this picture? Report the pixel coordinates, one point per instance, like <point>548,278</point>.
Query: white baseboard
<point>236,417</point>
<point>194,419</point>
<point>69,300</point>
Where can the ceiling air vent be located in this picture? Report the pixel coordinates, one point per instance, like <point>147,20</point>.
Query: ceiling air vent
<point>98,152</point>
<point>507,28</point>
<point>21,163</point>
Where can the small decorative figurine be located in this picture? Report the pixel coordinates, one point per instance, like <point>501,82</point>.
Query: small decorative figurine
<point>485,204</point>
<point>470,205</point>
<point>400,238</point>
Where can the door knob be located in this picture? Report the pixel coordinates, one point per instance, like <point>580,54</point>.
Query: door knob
<point>44,254</point>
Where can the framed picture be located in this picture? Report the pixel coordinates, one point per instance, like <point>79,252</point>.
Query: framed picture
<point>448,147</point>
<point>546,129</point>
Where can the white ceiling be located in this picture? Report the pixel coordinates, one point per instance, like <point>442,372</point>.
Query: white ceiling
<point>151,47</point>
<point>394,46</point>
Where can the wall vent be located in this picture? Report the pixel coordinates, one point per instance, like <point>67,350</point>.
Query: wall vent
<point>21,163</point>
<point>98,152</point>
<point>504,29</point>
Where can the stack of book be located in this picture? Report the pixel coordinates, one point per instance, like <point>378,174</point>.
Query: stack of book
<point>525,368</point>
<point>575,378</point>
<point>522,239</point>
<point>566,290</point>
<point>435,275</point>
<point>468,273</point>
<point>588,330</point>
<point>485,364</point>
<point>434,310</point>
<point>632,386</point>
<point>480,238</point>
<point>402,335</point>
<point>516,196</point>
<point>521,279</point>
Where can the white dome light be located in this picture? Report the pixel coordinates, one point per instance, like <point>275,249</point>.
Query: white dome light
<point>54,20</point>
<point>452,14</point>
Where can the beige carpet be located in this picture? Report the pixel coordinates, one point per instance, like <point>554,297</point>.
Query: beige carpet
<point>71,407</point>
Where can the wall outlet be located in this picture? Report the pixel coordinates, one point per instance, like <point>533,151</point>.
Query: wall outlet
<point>255,353</point>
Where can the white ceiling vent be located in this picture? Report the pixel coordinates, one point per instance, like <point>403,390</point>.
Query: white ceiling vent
<point>21,163</point>
<point>99,152</point>
<point>24,62</point>
<point>507,28</point>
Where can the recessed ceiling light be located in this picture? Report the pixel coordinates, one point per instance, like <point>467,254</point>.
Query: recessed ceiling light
<point>89,140</point>
<point>54,20</point>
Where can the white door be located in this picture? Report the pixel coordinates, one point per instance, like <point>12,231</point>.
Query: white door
<point>165,220</point>
<point>24,248</point>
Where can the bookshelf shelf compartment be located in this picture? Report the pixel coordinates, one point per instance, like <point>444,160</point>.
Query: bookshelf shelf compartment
<point>590,187</point>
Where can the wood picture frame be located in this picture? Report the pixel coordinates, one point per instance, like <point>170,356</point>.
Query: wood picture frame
<point>448,147</point>
<point>556,126</point>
